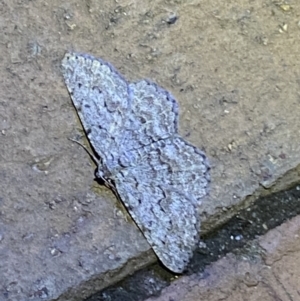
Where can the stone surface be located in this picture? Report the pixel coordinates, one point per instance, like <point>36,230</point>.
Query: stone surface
<point>272,273</point>
<point>234,69</point>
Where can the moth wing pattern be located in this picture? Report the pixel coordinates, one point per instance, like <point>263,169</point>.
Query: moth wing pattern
<point>102,99</point>
<point>154,113</point>
<point>163,193</point>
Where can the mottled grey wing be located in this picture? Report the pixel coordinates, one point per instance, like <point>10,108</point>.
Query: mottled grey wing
<point>162,193</point>
<point>154,115</point>
<point>118,118</point>
<point>102,99</point>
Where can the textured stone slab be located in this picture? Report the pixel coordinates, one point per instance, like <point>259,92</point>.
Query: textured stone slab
<point>233,67</point>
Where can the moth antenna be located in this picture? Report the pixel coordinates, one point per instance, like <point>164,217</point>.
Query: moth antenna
<point>93,157</point>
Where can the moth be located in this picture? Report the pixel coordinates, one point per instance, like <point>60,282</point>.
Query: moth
<point>158,175</point>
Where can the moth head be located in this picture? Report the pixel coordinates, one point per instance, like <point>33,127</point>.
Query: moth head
<point>102,173</point>
<point>104,177</point>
